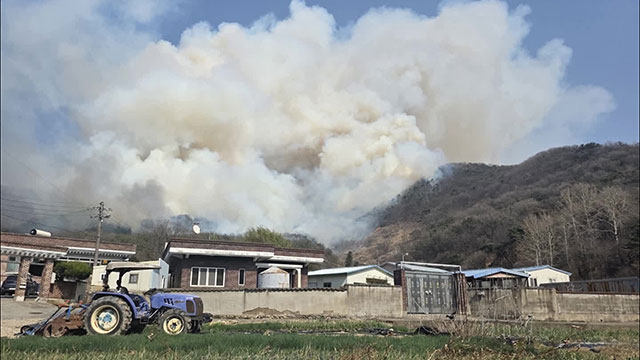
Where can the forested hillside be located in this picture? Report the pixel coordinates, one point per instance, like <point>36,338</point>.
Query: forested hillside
<point>573,207</point>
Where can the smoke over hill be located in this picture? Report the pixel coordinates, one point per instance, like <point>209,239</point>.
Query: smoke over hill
<point>292,124</point>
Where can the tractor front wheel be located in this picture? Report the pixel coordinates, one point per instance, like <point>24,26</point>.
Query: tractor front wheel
<point>175,322</point>
<point>108,315</point>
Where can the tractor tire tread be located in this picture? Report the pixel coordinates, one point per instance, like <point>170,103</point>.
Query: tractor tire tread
<point>187,319</point>
<point>127,315</point>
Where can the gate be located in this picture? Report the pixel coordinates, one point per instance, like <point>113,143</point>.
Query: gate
<point>429,293</point>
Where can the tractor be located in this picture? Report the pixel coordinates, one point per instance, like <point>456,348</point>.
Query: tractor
<point>114,312</point>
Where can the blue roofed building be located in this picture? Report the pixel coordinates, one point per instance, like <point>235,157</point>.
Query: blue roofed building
<point>496,277</point>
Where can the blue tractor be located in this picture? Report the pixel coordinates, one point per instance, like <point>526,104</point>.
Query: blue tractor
<point>115,312</point>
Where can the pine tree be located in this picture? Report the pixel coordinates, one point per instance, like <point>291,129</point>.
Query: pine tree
<point>349,260</point>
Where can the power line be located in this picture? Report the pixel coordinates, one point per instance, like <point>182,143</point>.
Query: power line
<point>39,215</point>
<point>43,204</point>
<point>36,210</point>
<point>15,158</point>
<point>39,223</point>
<point>120,222</point>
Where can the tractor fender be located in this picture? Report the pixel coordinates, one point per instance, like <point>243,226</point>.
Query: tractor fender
<point>127,299</point>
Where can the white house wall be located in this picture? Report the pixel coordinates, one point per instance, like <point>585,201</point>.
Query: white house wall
<point>339,280</point>
<point>361,277</point>
<point>147,279</point>
<point>544,276</point>
<point>336,281</point>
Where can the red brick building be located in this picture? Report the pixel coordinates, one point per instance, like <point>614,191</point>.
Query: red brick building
<point>234,265</point>
<point>24,254</point>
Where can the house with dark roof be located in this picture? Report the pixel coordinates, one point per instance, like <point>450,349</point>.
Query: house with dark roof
<point>33,256</point>
<point>339,277</point>
<point>236,265</point>
<point>497,277</point>
<point>545,274</point>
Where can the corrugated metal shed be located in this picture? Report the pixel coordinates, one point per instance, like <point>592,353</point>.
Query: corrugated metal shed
<point>413,267</point>
<point>347,270</point>
<point>540,267</point>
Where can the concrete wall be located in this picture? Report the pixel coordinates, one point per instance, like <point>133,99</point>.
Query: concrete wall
<point>548,305</point>
<point>354,300</point>
<point>598,307</point>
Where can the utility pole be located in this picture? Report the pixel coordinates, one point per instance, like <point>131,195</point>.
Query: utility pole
<point>101,215</point>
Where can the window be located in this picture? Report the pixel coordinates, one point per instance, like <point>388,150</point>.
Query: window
<point>13,265</point>
<point>206,276</point>
<point>133,278</point>
<point>241,277</point>
<point>376,281</point>
<point>327,284</point>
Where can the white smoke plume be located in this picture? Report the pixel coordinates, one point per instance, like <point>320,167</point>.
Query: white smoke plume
<point>292,124</point>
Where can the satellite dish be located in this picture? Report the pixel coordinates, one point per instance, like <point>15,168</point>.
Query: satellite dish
<point>196,228</point>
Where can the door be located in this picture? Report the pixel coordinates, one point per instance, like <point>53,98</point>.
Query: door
<point>429,293</point>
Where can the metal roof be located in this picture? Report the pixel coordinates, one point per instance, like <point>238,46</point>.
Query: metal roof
<point>480,273</point>
<point>540,267</point>
<point>413,267</point>
<point>347,270</point>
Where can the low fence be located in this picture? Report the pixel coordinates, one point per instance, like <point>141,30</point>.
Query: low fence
<point>629,285</point>
<point>549,305</point>
<point>349,301</point>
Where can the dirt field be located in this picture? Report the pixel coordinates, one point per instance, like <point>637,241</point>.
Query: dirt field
<point>15,314</point>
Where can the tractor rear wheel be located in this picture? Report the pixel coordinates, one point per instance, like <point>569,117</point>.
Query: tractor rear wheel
<point>175,322</point>
<point>108,315</point>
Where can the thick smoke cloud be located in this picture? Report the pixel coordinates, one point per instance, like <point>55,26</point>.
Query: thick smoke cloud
<point>294,124</point>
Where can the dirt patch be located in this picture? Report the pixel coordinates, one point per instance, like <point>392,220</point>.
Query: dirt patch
<point>9,327</point>
<point>260,311</point>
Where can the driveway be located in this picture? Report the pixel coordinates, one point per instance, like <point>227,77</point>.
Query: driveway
<point>15,314</point>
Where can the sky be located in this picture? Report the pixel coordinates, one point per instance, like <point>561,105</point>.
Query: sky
<point>602,34</point>
<point>298,116</point>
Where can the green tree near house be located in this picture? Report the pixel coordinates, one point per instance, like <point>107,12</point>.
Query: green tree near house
<point>349,260</point>
<point>266,236</point>
<point>72,269</point>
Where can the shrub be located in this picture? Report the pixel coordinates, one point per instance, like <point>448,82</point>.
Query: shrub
<point>264,235</point>
<point>72,269</point>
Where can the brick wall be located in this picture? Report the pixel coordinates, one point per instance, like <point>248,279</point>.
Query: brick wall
<point>181,271</point>
<point>305,277</point>
<point>400,279</point>
<point>231,265</point>
<point>62,290</point>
